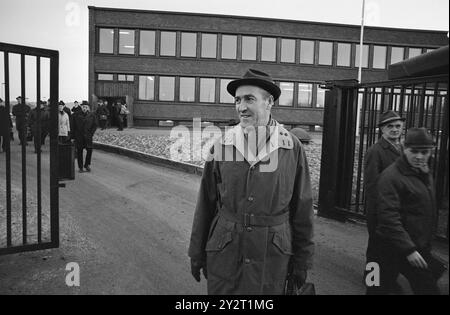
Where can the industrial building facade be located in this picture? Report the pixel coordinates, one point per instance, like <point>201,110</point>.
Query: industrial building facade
<point>175,66</point>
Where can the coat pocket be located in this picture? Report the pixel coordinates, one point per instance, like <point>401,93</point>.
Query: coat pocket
<point>222,253</point>
<point>283,241</point>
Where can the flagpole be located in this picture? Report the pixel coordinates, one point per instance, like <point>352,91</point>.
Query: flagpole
<point>361,52</point>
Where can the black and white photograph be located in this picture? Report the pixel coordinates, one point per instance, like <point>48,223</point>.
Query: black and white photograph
<point>223,155</point>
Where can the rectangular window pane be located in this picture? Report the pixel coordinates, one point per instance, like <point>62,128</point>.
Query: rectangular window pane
<point>209,45</point>
<point>325,53</point>
<point>414,52</point>
<point>105,77</point>
<point>125,77</point>
<point>365,60</point>
<point>106,42</point>
<point>207,90</point>
<point>288,50</point>
<point>147,43</point>
<point>146,88</point>
<point>248,48</point>
<point>269,49</point>
<point>126,42</point>
<point>320,103</point>
<point>188,44</point>
<point>168,43</point>
<point>307,52</point>
<point>344,54</point>
<point>379,57</point>
<point>229,46</point>
<point>287,94</point>
<point>305,94</point>
<point>187,89</point>
<point>166,88</point>
<point>397,54</point>
<point>225,97</point>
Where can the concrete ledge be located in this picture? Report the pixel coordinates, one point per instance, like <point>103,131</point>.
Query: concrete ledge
<point>148,158</point>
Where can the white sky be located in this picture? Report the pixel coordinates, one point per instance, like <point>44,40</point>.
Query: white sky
<point>63,25</point>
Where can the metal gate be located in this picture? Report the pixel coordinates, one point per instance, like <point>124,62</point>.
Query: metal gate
<point>29,218</point>
<point>422,101</point>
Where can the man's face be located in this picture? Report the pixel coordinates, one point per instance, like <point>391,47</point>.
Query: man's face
<point>85,108</point>
<point>61,107</point>
<point>392,130</point>
<point>417,157</point>
<point>253,105</point>
<point>75,104</point>
<point>19,100</point>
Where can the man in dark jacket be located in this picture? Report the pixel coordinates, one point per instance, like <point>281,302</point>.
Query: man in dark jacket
<point>406,216</point>
<point>102,114</point>
<point>5,124</point>
<point>38,127</point>
<point>85,125</point>
<point>21,111</point>
<point>379,156</point>
<point>253,223</point>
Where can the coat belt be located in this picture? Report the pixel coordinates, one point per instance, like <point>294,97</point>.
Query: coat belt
<point>250,219</point>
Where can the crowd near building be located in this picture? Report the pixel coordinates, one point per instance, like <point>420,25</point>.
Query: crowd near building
<point>176,66</point>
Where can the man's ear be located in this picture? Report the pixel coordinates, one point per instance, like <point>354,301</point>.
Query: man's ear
<point>270,102</point>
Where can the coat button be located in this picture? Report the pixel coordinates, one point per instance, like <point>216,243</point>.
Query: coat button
<point>250,198</point>
<point>247,261</point>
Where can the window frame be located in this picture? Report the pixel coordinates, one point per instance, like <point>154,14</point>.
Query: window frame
<point>113,40</point>
<point>155,43</point>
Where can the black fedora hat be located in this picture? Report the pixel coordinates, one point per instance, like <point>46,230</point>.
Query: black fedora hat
<point>255,78</point>
<point>85,103</point>
<point>61,103</point>
<point>389,116</point>
<point>419,138</point>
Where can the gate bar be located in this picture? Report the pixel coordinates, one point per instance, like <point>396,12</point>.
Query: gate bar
<point>8,155</point>
<point>38,134</point>
<point>23,131</point>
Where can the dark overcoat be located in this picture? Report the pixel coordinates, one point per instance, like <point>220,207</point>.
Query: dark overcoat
<point>254,215</point>
<point>84,125</point>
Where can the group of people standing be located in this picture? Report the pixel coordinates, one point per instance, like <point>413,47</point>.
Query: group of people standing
<point>112,114</point>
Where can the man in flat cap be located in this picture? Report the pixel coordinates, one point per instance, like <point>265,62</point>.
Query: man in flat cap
<point>21,111</point>
<point>253,224</point>
<point>379,156</point>
<point>406,217</point>
<point>84,124</point>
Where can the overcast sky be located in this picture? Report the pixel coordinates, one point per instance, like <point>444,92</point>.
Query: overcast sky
<point>63,25</point>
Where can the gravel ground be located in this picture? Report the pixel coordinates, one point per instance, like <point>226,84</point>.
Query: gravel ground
<point>160,145</point>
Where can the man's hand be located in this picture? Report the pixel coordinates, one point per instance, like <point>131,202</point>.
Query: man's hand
<point>298,277</point>
<point>196,266</point>
<point>416,260</point>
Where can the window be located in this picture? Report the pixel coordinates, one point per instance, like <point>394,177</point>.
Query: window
<point>166,88</point>
<point>325,53</point>
<point>379,57</point>
<point>225,97</point>
<point>287,94</point>
<point>229,46</point>
<point>207,90</point>
<point>344,54</point>
<point>414,52</point>
<point>305,94</point>
<point>209,45</point>
<point>397,54</point>
<point>125,77</point>
<point>320,97</point>
<point>269,49</point>
<point>168,43</point>
<point>248,48</point>
<point>365,59</point>
<point>187,89</point>
<point>188,45</point>
<point>147,43</point>
<point>106,42</point>
<point>105,77</point>
<point>288,50</point>
<point>430,49</point>
<point>126,42</point>
<point>307,52</point>
<point>146,88</point>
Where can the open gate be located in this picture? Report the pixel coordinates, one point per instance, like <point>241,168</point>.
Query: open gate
<point>29,201</point>
<point>423,101</point>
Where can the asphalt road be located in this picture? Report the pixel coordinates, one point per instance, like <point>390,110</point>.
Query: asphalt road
<point>127,225</point>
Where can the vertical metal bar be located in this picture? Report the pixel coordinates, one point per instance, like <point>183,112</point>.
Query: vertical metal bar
<point>374,115</point>
<point>38,135</point>
<point>383,93</point>
<point>433,111</point>
<point>360,153</point>
<point>391,105</point>
<point>412,108</point>
<point>402,101</point>
<point>8,154</point>
<point>24,153</point>
<point>422,105</point>
<point>54,185</point>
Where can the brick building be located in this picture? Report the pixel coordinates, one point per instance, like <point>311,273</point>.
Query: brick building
<point>175,66</point>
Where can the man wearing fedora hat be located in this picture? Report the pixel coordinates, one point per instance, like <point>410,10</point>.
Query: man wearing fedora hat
<point>21,111</point>
<point>253,226</point>
<point>406,217</point>
<point>379,156</point>
<point>84,124</point>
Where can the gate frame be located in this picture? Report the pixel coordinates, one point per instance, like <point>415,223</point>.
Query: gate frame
<point>53,55</point>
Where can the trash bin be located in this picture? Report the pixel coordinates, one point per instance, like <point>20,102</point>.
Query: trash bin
<point>66,163</point>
